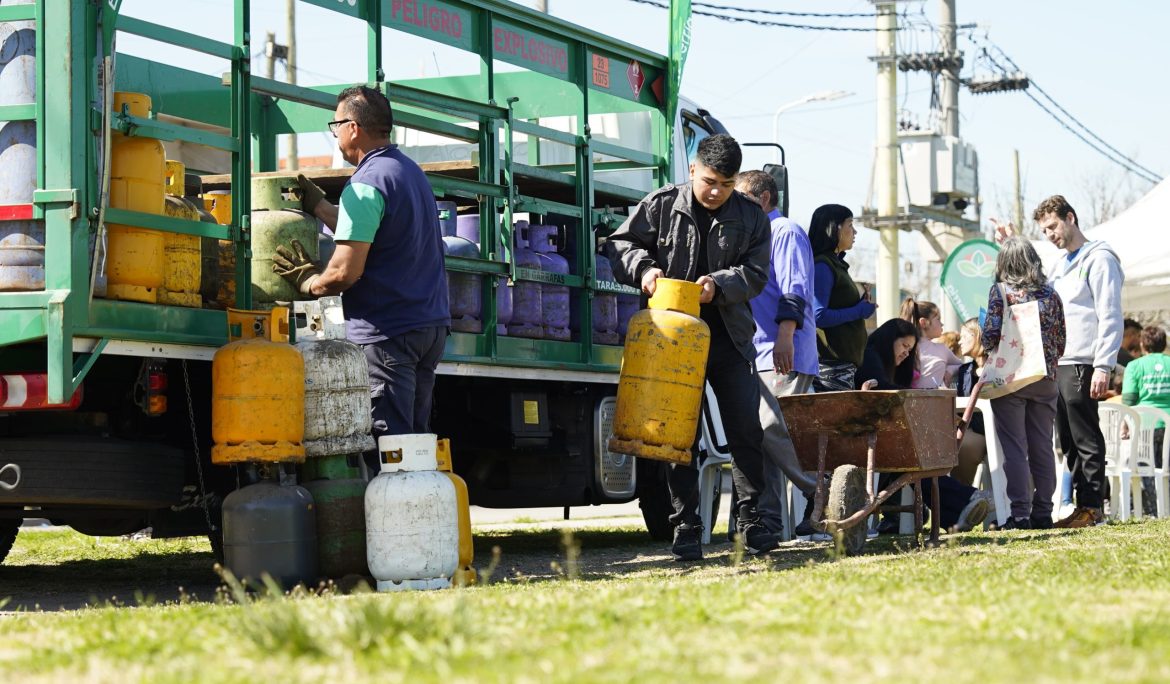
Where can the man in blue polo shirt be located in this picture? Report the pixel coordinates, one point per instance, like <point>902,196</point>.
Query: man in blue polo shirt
<point>388,263</point>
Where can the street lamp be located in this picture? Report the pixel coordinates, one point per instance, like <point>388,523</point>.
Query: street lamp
<point>820,96</point>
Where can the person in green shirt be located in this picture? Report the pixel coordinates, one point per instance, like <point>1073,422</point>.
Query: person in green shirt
<point>1147,381</point>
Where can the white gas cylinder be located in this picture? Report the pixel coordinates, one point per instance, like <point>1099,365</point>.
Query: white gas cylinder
<point>337,382</point>
<point>412,520</point>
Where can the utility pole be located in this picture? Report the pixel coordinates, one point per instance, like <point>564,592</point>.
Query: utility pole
<point>950,71</point>
<point>291,68</point>
<point>1017,195</point>
<point>270,49</point>
<point>886,172</point>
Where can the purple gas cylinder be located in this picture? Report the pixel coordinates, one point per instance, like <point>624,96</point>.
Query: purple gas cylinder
<point>467,227</point>
<point>448,218</point>
<point>627,306</point>
<point>464,290</point>
<point>605,307</point>
<point>527,317</point>
<point>554,299</point>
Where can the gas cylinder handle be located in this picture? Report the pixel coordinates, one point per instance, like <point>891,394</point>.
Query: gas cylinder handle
<point>278,328</point>
<point>392,456</point>
<point>244,324</point>
<point>175,174</point>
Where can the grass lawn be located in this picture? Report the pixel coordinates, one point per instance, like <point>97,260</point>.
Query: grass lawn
<point>1089,605</point>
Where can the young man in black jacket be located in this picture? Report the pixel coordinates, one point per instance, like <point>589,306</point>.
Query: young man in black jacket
<point>705,232</point>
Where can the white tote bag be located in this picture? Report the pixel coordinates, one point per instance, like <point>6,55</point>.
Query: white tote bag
<point>1018,361</point>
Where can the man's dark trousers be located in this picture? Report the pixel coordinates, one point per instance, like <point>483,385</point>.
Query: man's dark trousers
<point>402,381</point>
<point>1080,434</point>
<point>737,389</point>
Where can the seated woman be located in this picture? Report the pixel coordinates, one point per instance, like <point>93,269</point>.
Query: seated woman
<point>889,363</point>
<point>973,450</point>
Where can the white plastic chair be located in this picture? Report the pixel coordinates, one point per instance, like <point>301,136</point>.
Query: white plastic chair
<point>713,444</point>
<point>1144,461</point>
<point>1123,482</point>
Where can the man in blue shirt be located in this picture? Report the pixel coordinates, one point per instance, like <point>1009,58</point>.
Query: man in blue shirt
<point>785,342</point>
<point>388,264</point>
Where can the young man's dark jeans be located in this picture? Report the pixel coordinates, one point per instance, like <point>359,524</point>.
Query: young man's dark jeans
<point>737,389</point>
<point>1080,434</point>
<point>402,379</point>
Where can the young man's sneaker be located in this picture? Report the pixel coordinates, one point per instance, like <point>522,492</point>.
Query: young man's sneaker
<point>974,513</point>
<point>1041,523</point>
<point>1082,516</point>
<point>688,543</point>
<point>757,539</point>
<point>1016,524</point>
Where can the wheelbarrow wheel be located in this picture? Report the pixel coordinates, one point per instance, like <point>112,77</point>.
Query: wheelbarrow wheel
<point>847,495</point>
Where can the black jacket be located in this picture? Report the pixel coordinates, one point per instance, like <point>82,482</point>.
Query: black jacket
<point>661,233</point>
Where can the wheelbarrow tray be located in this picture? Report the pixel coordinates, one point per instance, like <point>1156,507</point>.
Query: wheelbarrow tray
<point>915,428</point>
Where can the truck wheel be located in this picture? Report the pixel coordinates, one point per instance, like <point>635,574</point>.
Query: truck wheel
<point>847,495</point>
<point>654,499</point>
<point>9,528</point>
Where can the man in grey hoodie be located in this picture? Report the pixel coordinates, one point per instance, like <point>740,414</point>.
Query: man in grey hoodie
<point>1088,279</point>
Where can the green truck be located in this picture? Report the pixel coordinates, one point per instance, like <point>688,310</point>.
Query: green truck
<point>105,404</point>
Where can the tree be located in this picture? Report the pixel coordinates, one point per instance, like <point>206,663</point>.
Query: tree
<point>1105,192</point>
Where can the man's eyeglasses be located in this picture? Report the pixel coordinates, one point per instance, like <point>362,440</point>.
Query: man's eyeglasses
<point>334,125</point>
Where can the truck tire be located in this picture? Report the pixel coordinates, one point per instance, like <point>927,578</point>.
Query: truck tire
<point>80,471</point>
<point>9,528</point>
<point>654,499</point>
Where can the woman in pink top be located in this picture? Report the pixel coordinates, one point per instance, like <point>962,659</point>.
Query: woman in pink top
<point>936,363</point>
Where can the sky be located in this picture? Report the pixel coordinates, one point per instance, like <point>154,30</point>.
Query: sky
<point>1103,63</point>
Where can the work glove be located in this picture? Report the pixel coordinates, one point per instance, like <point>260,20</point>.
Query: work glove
<point>295,266</point>
<point>311,193</point>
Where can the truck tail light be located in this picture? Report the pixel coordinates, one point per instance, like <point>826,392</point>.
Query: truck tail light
<point>151,391</point>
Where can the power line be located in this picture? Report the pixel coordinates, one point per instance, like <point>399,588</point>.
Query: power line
<point>1064,111</point>
<point>766,22</point>
<point>784,13</point>
<point>1110,152</point>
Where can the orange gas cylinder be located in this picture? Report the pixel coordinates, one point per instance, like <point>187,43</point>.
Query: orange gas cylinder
<point>664,366</point>
<point>137,172</point>
<point>181,255</point>
<point>257,391</point>
<point>465,575</point>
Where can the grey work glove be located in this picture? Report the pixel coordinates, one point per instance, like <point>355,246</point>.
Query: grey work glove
<point>311,193</point>
<point>295,266</point>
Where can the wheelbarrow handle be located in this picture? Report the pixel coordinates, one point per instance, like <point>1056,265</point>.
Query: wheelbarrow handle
<point>965,421</point>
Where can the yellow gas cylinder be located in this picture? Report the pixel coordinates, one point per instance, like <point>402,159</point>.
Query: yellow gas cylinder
<point>465,575</point>
<point>181,255</point>
<point>137,170</point>
<point>219,256</point>
<point>257,391</point>
<point>664,364</point>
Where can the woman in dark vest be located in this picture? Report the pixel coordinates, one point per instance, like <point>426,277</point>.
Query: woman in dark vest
<point>840,309</point>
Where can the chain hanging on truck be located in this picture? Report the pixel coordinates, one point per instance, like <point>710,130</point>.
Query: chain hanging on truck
<point>195,449</point>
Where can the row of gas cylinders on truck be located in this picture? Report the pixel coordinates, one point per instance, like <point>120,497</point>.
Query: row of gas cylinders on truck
<point>276,404</point>
<point>526,308</point>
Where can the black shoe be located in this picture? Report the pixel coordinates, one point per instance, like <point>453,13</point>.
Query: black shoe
<point>1041,523</point>
<point>688,543</point>
<point>757,539</point>
<point>1018,524</point>
<point>888,525</point>
<point>805,528</point>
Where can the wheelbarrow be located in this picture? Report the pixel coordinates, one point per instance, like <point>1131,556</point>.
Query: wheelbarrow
<point>856,434</point>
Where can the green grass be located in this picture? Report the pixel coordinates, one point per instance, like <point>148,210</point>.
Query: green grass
<point>1091,605</point>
